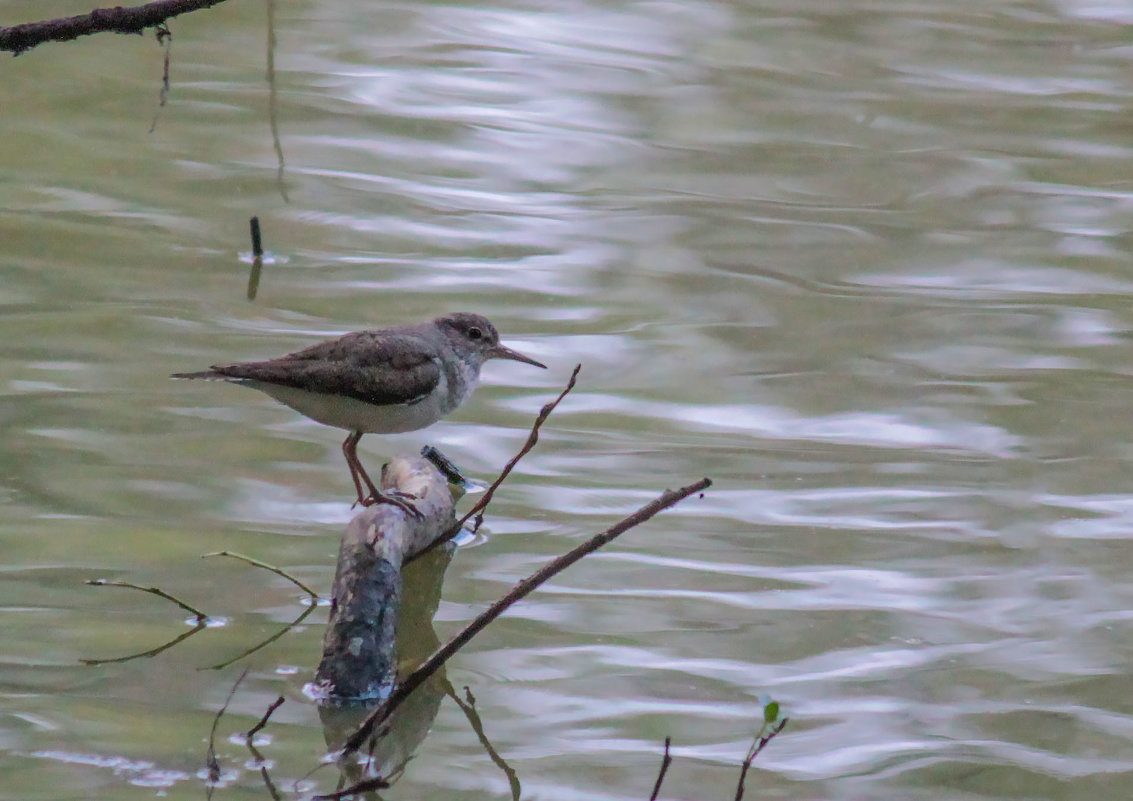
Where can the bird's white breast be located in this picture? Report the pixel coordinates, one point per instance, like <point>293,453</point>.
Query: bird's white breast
<point>352,414</point>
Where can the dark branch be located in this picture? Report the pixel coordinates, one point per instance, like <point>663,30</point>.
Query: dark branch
<point>753,752</point>
<point>532,438</point>
<point>665,762</point>
<point>160,593</point>
<point>135,19</point>
<point>271,568</point>
<point>486,498</point>
<point>442,654</point>
<point>276,704</point>
<point>257,237</point>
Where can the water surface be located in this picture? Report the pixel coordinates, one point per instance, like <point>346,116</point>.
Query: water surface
<point>865,264</point>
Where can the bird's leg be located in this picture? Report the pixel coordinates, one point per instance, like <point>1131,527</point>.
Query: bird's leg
<point>349,451</point>
<point>360,476</point>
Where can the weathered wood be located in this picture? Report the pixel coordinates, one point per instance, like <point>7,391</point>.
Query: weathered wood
<point>359,657</point>
<point>423,583</point>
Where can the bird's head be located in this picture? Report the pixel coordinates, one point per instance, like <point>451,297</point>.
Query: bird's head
<point>474,336</point>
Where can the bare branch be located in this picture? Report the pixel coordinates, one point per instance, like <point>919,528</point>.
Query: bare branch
<point>753,752</point>
<point>257,563</point>
<point>274,705</point>
<point>135,19</point>
<point>665,762</point>
<point>381,713</point>
<point>532,438</point>
<point>160,593</point>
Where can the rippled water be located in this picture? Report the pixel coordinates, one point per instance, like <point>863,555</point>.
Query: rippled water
<point>865,264</point>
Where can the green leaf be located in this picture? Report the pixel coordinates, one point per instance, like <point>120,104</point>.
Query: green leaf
<point>771,712</point>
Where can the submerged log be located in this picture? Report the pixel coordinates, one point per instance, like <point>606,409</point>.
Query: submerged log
<point>359,658</point>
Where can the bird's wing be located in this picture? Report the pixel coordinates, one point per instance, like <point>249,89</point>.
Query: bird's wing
<point>370,366</point>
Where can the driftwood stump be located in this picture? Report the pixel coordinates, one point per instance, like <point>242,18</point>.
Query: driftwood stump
<point>359,656</point>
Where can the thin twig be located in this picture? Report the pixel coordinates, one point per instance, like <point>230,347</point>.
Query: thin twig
<point>276,704</point>
<point>257,563</point>
<point>381,713</point>
<point>532,438</point>
<point>486,498</point>
<point>753,752</point>
<point>160,593</point>
<point>164,38</point>
<point>665,762</point>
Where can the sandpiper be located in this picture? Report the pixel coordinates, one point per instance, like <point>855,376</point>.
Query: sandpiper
<point>385,381</point>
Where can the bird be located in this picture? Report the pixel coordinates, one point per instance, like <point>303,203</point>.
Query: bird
<point>381,381</point>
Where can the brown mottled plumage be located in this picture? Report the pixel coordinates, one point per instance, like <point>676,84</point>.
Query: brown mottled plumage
<point>384,381</point>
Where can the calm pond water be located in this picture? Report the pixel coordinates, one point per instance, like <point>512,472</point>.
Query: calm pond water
<point>865,264</point>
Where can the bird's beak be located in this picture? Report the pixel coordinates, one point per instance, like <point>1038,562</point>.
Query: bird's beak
<point>502,352</point>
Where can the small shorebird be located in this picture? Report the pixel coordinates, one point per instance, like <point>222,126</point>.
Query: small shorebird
<point>384,381</point>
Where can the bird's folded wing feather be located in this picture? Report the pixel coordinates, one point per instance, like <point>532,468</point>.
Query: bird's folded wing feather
<point>369,366</point>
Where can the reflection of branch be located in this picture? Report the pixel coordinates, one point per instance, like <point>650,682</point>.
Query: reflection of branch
<point>201,616</point>
<point>266,642</point>
<point>151,652</point>
<point>136,19</point>
<point>275,794</point>
<point>665,762</point>
<point>361,787</point>
<point>210,755</point>
<point>273,113</point>
<point>468,706</point>
<point>381,713</point>
<point>262,763</point>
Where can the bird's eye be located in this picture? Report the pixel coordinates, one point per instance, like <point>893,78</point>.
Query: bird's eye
<point>475,333</point>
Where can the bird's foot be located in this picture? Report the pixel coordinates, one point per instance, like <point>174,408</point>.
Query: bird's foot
<point>393,499</point>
